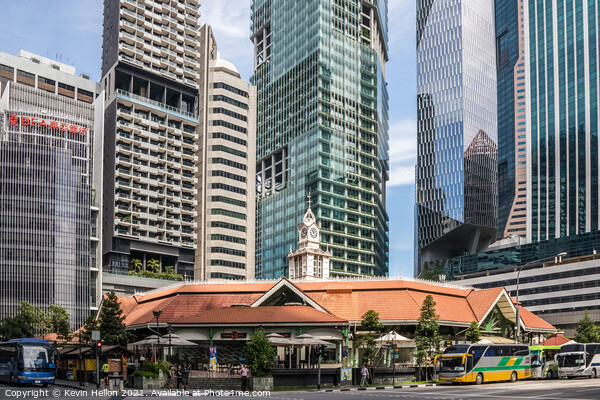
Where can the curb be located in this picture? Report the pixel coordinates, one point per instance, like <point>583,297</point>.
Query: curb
<point>381,387</point>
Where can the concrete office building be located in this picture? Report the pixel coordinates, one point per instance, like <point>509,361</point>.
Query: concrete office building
<point>226,168</point>
<point>559,291</point>
<point>49,239</point>
<point>149,68</point>
<point>456,172</point>
<point>562,99</point>
<point>512,118</point>
<point>322,128</point>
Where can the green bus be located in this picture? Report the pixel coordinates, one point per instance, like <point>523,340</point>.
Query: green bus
<point>543,362</point>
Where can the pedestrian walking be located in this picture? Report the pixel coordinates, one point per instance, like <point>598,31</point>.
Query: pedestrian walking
<point>172,376</point>
<point>179,376</point>
<point>244,374</point>
<point>105,368</point>
<point>185,379</point>
<point>365,374</point>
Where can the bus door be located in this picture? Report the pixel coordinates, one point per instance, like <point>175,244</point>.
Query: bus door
<point>468,363</point>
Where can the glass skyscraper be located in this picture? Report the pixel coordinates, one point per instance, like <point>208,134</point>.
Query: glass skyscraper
<point>45,192</point>
<point>512,118</point>
<point>562,175</point>
<point>322,128</point>
<point>456,174</point>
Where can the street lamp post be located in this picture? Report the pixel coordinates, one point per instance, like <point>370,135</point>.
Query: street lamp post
<point>156,315</point>
<point>393,363</point>
<point>518,309</point>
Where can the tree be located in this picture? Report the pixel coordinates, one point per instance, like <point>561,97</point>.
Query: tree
<point>58,322</point>
<point>260,355</point>
<point>370,322</point>
<point>587,331</point>
<point>32,321</point>
<point>135,264</point>
<point>427,333</point>
<point>35,320</point>
<point>91,324</point>
<point>13,328</point>
<point>473,333</point>
<point>153,265</point>
<point>112,322</point>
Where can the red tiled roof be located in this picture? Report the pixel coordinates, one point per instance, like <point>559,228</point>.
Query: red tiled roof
<point>533,321</point>
<point>224,288</point>
<point>558,339</point>
<point>179,307</point>
<point>482,300</point>
<point>394,300</point>
<point>264,314</point>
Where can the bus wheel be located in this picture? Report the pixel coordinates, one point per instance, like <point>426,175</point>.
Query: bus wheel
<point>12,381</point>
<point>513,376</point>
<point>593,375</point>
<point>479,379</point>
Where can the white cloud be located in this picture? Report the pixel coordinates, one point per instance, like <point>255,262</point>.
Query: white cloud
<point>403,152</point>
<point>230,22</point>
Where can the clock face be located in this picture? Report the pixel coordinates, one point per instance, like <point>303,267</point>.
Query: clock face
<point>313,232</point>
<point>303,233</point>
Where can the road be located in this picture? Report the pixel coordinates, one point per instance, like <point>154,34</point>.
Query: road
<point>584,389</point>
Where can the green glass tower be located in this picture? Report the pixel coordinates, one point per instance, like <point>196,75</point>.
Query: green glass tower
<point>322,129</point>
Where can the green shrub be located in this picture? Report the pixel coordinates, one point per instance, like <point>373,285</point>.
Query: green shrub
<point>156,275</point>
<point>145,373</point>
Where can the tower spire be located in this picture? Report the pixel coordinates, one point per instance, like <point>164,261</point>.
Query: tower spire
<point>309,201</point>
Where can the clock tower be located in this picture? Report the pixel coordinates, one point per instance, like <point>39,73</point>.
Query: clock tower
<point>309,261</point>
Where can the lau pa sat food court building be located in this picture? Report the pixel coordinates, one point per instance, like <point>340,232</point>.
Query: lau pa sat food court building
<point>225,315</point>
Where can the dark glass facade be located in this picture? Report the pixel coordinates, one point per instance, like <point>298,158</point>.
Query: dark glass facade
<point>456,175</point>
<point>563,69</point>
<point>508,14</point>
<point>322,128</point>
<point>511,257</point>
<point>45,193</point>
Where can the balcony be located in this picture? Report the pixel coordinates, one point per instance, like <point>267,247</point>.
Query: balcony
<point>178,112</point>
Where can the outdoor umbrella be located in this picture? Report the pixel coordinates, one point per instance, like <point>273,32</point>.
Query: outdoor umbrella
<point>308,340</point>
<point>392,337</point>
<point>151,340</point>
<point>280,341</point>
<point>175,340</point>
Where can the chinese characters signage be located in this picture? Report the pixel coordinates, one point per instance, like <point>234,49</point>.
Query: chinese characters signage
<point>16,120</point>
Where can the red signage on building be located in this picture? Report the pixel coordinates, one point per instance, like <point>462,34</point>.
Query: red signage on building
<point>16,120</point>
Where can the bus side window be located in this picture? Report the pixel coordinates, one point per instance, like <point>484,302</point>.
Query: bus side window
<point>477,352</point>
<point>469,366</point>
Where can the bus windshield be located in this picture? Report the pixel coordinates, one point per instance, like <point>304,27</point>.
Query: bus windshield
<point>570,360</point>
<point>452,364</point>
<point>36,358</point>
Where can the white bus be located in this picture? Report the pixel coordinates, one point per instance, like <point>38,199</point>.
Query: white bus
<point>579,359</point>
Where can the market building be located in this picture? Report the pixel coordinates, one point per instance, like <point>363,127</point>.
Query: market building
<point>225,315</point>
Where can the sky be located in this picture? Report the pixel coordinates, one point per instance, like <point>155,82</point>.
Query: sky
<point>70,31</point>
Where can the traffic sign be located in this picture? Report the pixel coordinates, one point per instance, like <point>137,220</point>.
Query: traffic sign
<point>96,335</point>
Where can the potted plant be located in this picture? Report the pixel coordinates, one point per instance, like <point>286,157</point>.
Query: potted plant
<point>260,357</point>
